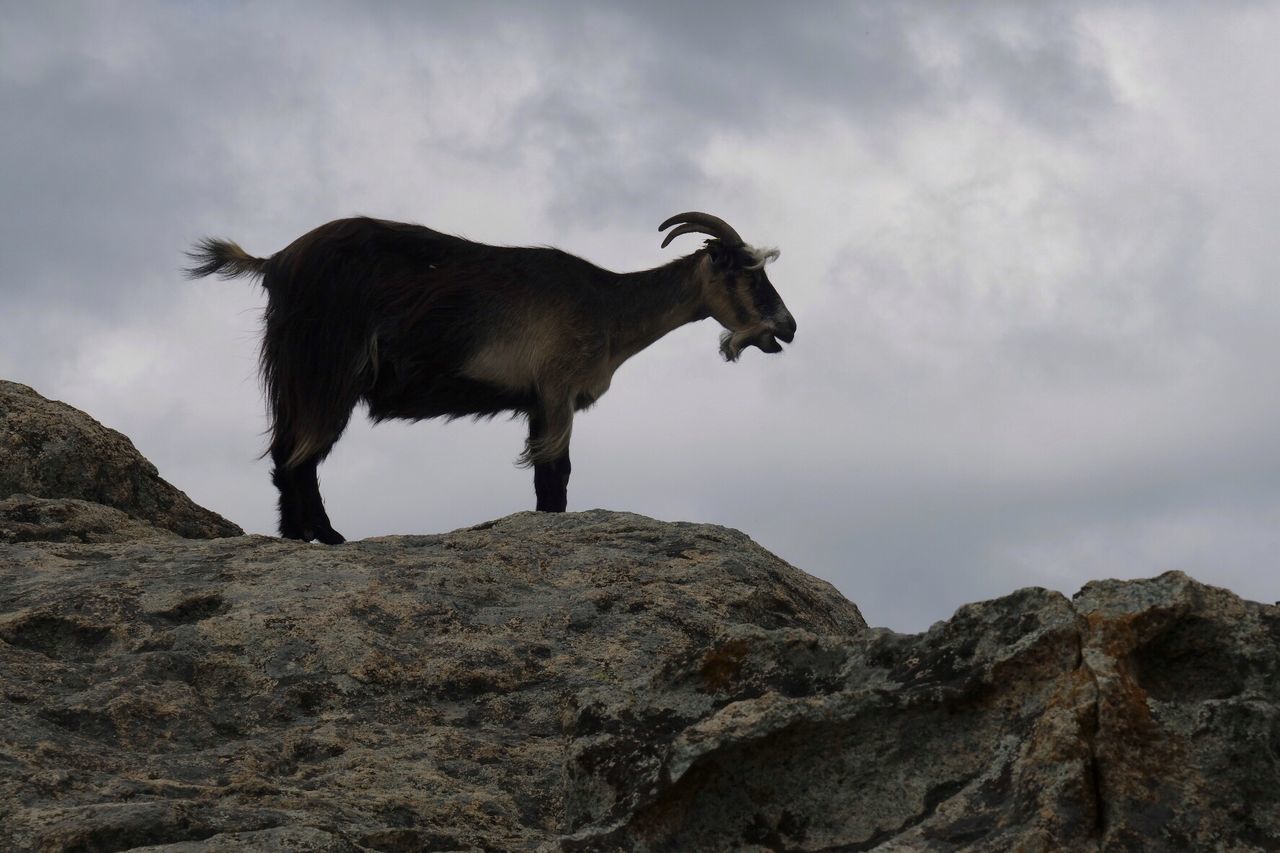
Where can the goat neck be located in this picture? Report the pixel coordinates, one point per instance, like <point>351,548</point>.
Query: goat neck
<point>651,303</point>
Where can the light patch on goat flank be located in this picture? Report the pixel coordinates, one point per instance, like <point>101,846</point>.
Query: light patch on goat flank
<point>515,361</point>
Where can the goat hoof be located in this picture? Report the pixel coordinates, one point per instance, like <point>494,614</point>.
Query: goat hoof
<point>330,537</point>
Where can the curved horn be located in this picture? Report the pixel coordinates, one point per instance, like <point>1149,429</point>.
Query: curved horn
<point>686,229</point>
<point>701,223</point>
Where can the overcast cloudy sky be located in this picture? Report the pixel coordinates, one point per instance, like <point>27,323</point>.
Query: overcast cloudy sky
<point>1030,248</point>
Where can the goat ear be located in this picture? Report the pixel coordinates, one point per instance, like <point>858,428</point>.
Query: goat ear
<point>723,258</point>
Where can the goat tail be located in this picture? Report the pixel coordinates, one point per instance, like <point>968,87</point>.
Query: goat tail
<point>224,258</point>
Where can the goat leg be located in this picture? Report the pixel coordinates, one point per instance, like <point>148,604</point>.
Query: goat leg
<point>551,483</point>
<point>550,477</point>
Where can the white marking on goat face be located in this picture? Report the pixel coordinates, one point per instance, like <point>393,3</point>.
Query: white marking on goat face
<point>762,256</point>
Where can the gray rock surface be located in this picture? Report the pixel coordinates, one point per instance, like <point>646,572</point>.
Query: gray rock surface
<point>603,681</point>
<point>51,450</point>
<point>587,681</point>
<point>394,694</point>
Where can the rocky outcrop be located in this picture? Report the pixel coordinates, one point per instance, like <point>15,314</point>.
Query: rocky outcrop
<point>53,451</point>
<point>1141,715</point>
<point>586,681</point>
<point>602,681</point>
<point>396,694</point>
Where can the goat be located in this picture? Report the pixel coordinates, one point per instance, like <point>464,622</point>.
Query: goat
<point>419,324</point>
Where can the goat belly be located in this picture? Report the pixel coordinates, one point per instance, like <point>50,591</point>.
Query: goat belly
<point>449,396</point>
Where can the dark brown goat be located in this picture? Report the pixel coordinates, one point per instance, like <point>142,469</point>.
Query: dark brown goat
<point>419,324</point>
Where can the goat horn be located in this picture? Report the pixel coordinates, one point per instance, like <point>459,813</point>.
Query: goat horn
<point>686,229</point>
<point>701,223</point>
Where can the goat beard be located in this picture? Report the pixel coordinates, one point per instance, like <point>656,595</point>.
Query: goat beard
<point>733,343</point>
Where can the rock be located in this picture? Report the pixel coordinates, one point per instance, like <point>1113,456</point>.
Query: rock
<point>1141,715</point>
<point>1188,714</point>
<point>51,450</point>
<point>27,519</point>
<point>396,693</point>
<point>603,681</point>
<point>586,681</point>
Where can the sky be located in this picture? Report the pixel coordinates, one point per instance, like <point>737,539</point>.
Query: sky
<point>1029,249</point>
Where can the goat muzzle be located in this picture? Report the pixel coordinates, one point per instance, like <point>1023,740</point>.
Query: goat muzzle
<point>785,330</point>
<point>763,338</point>
<point>768,342</point>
